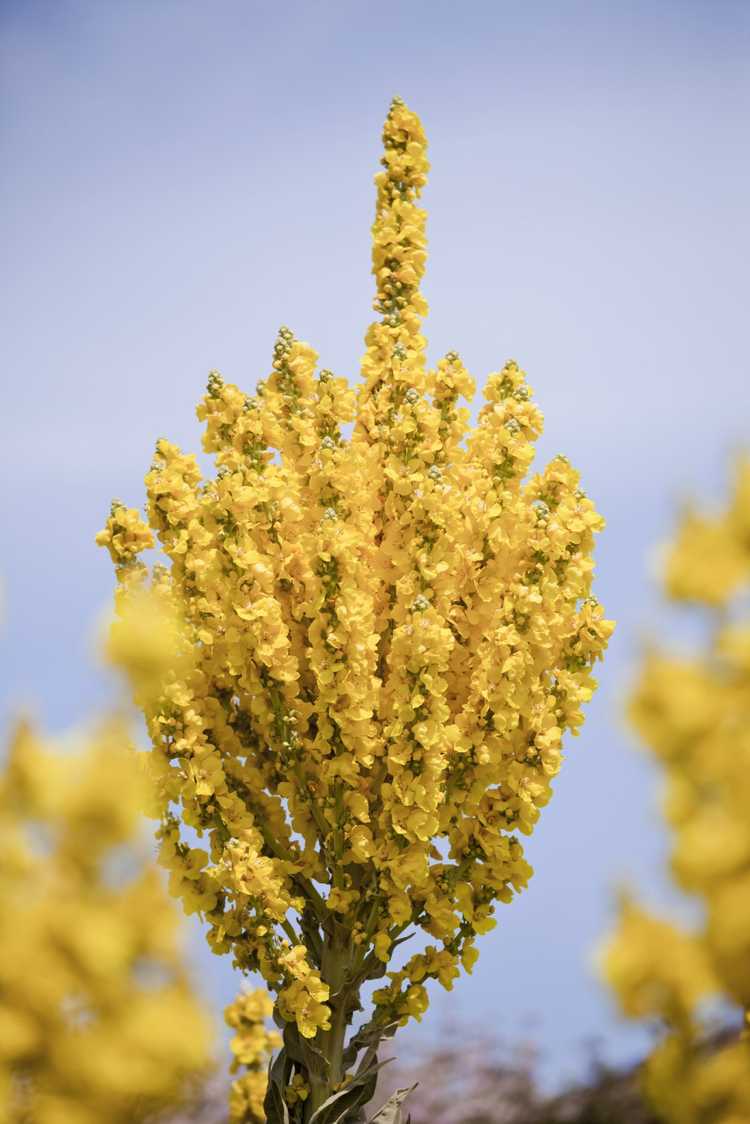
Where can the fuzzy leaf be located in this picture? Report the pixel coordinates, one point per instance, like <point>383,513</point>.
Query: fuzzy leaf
<point>293,1044</point>
<point>342,1106</point>
<point>279,1074</point>
<point>392,1111</point>
<point>371,1034</point>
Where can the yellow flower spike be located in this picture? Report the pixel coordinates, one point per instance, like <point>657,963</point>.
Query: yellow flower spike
<point>252,1047</point>
<point>390,630</point>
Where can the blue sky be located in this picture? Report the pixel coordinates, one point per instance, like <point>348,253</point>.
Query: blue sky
<point>181,178</point>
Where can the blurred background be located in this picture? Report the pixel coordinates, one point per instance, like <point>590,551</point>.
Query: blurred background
<point>179,179</point>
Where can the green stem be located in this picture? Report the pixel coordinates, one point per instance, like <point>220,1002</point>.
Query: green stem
<point>336,966</point>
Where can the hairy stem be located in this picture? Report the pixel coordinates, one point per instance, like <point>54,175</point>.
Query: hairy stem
<point>336,966</point>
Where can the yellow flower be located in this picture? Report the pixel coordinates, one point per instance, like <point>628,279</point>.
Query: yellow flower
<point>298,1090</point>
<point>416,1001</point>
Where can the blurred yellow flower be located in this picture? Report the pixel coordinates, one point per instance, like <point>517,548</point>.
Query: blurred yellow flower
<point>97,1019</point>
<point>694,714</point>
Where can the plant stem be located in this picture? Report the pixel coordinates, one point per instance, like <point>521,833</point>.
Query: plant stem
<point>336,963</point>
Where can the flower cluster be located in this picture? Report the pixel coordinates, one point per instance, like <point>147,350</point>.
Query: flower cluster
<point>694,714</point>
<point>251,1046</point>
<point>388,627</point>
<point>97,1021</point>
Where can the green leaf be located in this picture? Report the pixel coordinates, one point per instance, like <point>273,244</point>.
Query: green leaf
<point>392,1111</point>
<point>301,1050</point>
<point>342,1106</point>
<point>292,1043</point>
<point>279,1075</point>
<point>315,1059</point>
<point>371,1034</point>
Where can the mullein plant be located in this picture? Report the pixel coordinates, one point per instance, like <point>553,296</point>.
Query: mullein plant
<point>385,636</point>
<point>693,713</point>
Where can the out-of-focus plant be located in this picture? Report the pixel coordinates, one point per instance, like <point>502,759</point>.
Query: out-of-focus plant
<point>694,715</point>
<point>386,635</point>
<point>97,1019</point>
<point>252,1047</point>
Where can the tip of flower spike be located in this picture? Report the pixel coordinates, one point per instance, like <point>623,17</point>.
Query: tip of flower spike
<point>284,341</point>
<point>215,384</point>
<point>404,158</point>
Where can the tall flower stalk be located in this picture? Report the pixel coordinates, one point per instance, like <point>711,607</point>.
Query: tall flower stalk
<point>386,633</point>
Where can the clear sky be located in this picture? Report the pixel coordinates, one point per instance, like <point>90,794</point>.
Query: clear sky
<point>180,178</point>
